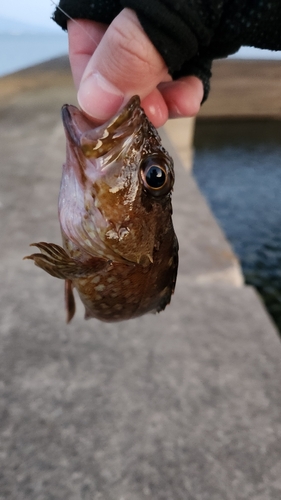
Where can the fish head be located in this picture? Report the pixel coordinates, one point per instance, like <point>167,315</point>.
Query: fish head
<point>115,196</point>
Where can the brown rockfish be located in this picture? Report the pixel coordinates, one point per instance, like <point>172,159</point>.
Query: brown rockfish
<point>120,249</point>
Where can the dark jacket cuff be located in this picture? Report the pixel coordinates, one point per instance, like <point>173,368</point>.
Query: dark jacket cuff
<point>171,35</point>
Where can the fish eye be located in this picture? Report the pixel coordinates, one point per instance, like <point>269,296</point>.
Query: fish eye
<point>156,175</point>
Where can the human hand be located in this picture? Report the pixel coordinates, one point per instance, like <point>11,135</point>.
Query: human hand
<point>111,63</point>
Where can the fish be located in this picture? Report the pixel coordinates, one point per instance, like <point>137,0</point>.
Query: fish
<point>119,248</point>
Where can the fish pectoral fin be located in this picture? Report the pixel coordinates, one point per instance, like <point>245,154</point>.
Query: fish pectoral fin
<point>69,300</point>
<point>54,260</point>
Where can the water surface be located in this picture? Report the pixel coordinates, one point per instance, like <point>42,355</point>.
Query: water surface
<point>23,50</point>
<point>238,168</point>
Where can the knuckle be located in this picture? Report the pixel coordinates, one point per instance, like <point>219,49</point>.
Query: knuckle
<point>130,48</point>
<point>133,51</point>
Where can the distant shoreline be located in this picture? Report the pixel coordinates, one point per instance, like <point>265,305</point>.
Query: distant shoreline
<point>45,74</point>
<point>247,89</point>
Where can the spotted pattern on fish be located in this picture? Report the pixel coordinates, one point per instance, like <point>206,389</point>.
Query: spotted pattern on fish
<point>120,251</point>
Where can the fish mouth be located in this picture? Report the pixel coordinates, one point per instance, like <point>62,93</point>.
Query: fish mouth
<point>97,141</point>
<point>95,158</point>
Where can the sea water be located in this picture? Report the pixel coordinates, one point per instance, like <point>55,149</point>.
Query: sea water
<point>19,51</point>
<point>237,166</point>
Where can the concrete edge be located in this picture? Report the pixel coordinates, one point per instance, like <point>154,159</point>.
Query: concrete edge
<point>180,134</point>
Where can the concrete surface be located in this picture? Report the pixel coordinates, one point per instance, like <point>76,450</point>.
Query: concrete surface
<point>181,135</point>
<point>244,89</point>
<point>184,405</point>
<point>205,255</point>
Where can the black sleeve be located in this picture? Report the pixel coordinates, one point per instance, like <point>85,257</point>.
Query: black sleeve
<point>102,11</point>
<point>175,28</point>
<point>189,34</point>
<point>171,38</point>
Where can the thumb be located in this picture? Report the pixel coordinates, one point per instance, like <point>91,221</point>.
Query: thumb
<point>124,63</point>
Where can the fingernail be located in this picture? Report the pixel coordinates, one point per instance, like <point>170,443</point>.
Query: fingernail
<point>174,111</point>
<point>98,97</point>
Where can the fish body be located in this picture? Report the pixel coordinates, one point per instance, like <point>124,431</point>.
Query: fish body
<point>119,250</point>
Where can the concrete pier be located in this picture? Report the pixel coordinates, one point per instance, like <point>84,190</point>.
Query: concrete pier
<point>184,405</point>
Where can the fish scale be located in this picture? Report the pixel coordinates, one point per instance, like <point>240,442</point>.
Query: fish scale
<point>119,250</point>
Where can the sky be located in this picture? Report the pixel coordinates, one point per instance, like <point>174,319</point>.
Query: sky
<point>36,12</point>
